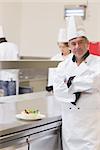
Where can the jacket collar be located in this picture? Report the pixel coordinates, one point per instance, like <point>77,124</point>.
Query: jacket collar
<point>84,56</point>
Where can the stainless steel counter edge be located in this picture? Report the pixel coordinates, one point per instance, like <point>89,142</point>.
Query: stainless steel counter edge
<point>16,135</point>
<point>26,125</point>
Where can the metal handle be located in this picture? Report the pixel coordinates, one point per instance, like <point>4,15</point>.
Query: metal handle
<point>28,143</point>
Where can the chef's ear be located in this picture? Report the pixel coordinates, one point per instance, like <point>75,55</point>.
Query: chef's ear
<point>86,39</point>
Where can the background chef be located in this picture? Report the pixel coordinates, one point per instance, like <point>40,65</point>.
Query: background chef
<point>61,56</point>
<point>77,86</point>
<point>62,43</point>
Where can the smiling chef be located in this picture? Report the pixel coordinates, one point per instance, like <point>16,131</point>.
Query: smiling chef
<point>77,87</point>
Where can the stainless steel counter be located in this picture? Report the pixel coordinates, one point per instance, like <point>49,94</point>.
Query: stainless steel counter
<point>16,132</point>
<point>20,126</point>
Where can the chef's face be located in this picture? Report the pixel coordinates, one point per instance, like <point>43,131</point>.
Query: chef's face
<point>78,46</point>
<point>64,48</point>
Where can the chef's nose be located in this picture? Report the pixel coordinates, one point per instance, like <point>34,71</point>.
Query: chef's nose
<point>77,45</point>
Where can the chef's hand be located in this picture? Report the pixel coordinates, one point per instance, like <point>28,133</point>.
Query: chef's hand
<point>49,88</point>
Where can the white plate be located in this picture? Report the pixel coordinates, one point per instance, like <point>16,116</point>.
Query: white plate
<point>22,117</point>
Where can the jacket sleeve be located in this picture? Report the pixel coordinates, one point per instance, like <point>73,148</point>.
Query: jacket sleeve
<point>60,87</point>
<point>84,81</point>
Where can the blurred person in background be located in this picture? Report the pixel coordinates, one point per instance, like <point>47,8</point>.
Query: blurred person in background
<point>62,43</point>
<point>63,53</point>
<point>77,87</point>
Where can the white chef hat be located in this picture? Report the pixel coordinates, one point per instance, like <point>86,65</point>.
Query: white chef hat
<point>1,32</point>
<point>75,27</point>
<point>62,36</point>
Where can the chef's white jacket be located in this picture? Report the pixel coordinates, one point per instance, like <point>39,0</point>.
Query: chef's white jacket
<point>8,52</point>
<point>51,71</point>
<point>80,122</point>
<point>59,57</point>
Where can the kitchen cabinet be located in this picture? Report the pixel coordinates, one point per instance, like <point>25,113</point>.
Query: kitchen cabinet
<point>46,140</point>
<point>50,140</point>
<point>45,136</point>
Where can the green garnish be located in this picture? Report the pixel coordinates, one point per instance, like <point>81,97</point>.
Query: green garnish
<point>34,111</point>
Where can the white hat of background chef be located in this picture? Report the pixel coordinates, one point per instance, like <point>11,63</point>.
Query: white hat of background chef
<point>75,27</point>
<point>62,36</point>
<point>1,32</point>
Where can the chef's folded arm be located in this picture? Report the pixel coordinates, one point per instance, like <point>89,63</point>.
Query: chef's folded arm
<point>83,82</point>
<point>60,87</point>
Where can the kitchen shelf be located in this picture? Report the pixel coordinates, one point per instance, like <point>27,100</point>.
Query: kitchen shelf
<point>38,63</point>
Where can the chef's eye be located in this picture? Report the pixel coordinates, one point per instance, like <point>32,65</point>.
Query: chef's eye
<point>73,43</point>
<point>81,42</point>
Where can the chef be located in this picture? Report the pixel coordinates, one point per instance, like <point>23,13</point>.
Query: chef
<point>63,46</point>
<point>62,43</point>
<point>77,87</point>
<point>62,55</point>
